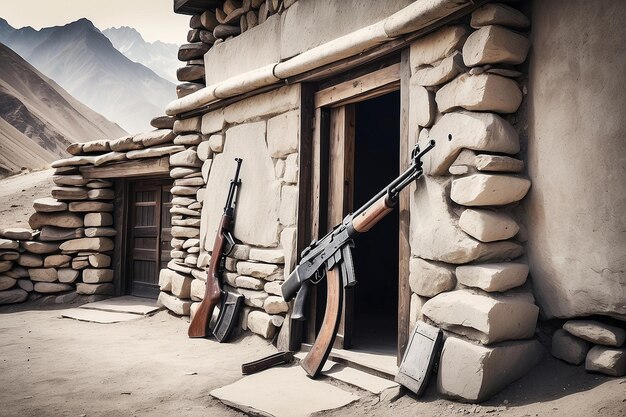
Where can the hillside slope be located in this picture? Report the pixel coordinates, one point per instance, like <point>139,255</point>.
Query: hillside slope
<point>38,119</point>
<point>84,62</point>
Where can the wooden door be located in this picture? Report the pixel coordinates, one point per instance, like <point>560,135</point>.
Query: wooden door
<point>149,236</point>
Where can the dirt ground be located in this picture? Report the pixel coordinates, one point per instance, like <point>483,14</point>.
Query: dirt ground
<point>149,367</point>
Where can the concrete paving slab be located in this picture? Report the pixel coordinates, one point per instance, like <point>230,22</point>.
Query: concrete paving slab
<point>97,316</point>
<point>125,304</point>
<point>283,391</point>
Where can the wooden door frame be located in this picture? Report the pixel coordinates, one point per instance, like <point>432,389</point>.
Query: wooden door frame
<point>121,224</point>
<point>373,84</point>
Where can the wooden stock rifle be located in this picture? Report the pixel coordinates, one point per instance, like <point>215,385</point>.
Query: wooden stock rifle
<point>331,257</point>
<point>230,302</point>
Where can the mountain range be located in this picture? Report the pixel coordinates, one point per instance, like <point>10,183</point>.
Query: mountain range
<point>39,119</point>
<point>83,61</point>
<point>159,56</point>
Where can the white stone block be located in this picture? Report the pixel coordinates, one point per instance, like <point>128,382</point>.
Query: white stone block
<point>175,305</point>
<point>441,72</point>
<point>270,256</point>
<point>273,287</point>
<point>606,360</point>
<point>484,318</point>
<point>260,323</point>
<point>498,163</point>
<point>259,270</point>
<point>43,274</point>
<point>188,158</point>
<point>493,277</point>
<point>97,276</point>
<point>192,124</point>
<point>204,151</point>
<point>474,373</point>
<point>291,169</point>
<point>488,226</point>
<point>90,289</point>
<point>67,275</point>
<point>428,278</point>
<point>437,45</point>
<point>213,122</point>
<point>253,298</point>
<point>488,190</point>
<point>569,348</point>
<point>98,219</point>
<point>243,281</point>
<point>283,133</point>
<point>181,285</point>
<point>596,332</point>
<point>216,143</point>
<point>423,108</point>
<point>288,205</point>
<point>484,92</point>
<point>51,287</point>
<point>495,45</point>
<point>275,305</point>
<point>499,14</point>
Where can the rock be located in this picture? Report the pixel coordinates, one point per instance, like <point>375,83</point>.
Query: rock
<point>273,287</point>
<point>193,124</point>
<point>6,282</point>
<point>437,45</point>
<point>274,102</point>
<point>188,158</point>
<point>283,133</point>
<point>488,226</point>
<point>253,298</point>
<point>53,233</point>
<point>609,361</point>
<point>488,190</point>
<point>90,206</point>
<point>94,184</point>
<point>275,305</point>
<point>206,169</point>
<point>291,169</point>
<point>73,161</point>
<point>101,194</point>
<point>69,193</point>
<point>99,244</point>
<point>596,332</point>
<point>243,281</point>
<point>96,146</point>
<point>100,232</point>
<point>25,284</point>
<point>484,318</point>
<point>474,373</point>
<point>67,275</point>
<point>165,279</point>
<point>198,288</point>
<point>9,255</point>
<point>13,296</point>
<point>271,256</point>
<point>569,348</point>
<point>268,272</point>
<point>49,205</point>
<point>75,149</point>
<point>6,244</point>
<point>213,122</point>
<point>259,199</point>
<point>185,211</point>
<point>204,151</point>
<point>440,72</point>
<point>80,262</point>
<point>39,247</point>
<point>17,233</point>
<point>56,261</point>
<point>423,108</point>
<point>189,182</point>
<point>154,152</point>
<point>499,14</point>
<point>427,278</point>
<point>288,205</point>
<point>279,168</point>
<point>493,277</point>
<point>75,180</point>
<point>435,235</point>
<point>51,287</point>
<point>154,138</point>
<point>97,276</point>
<point>162,122</point>
<point>66,220</point>
<point>98,219</point>
<point>17,272</point>
<point>189,243</point>
<point>216,143</point>
<point>43,274</point>
<point>182,201</point>
<point>188,232</point>
<point>187,222</point>
<point>278,321</point>
<point>469,130</point>
<point>484,92</point>
<point>90,289</point>
<point>260,323</point>
<point>191,139</point>
<point>174,304</point>
<point>5,266</point>
<point>181,285</point>
<point>30,261</point>
<point>498,163</point>
<point>184,89</point>
<point>415,311</point>
<point>180,172</point>
<point>495,45</point>
<point>124,144</point>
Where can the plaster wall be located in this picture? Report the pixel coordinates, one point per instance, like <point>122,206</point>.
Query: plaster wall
<point>577,158</point>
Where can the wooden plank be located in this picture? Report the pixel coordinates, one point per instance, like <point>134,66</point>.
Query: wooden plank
<point>137,168</point>
<point>352,89</point>
<point>404,248</point>
<point>120,217</point>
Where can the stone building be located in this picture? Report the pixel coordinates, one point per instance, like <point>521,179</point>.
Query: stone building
<point>517,220</point>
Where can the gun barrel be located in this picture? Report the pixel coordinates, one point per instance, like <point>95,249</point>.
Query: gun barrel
<point>234,183</point>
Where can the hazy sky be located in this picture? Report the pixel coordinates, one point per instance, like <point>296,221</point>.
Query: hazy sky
<point>154,19</point>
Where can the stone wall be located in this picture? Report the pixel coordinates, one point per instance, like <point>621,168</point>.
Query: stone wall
<point>467,271</point>
<point>264,131</point>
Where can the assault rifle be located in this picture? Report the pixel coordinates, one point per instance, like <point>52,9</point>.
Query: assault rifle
<point>231,302</point>
<point>331,257</point>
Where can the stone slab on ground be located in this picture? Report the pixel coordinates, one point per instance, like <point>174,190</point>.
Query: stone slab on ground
<point>125,304</point>
<point>97,316</point>
<point>293,394</point>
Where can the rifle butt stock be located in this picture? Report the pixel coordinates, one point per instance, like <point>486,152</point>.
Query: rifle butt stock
<point>199,325</point>
<point>315,359</point>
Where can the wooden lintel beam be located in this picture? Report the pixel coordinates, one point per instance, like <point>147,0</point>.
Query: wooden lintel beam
<point>136,168</point>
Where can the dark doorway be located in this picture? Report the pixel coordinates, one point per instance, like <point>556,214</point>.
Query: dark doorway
<point>376,163</point>
<point>149,235</point>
